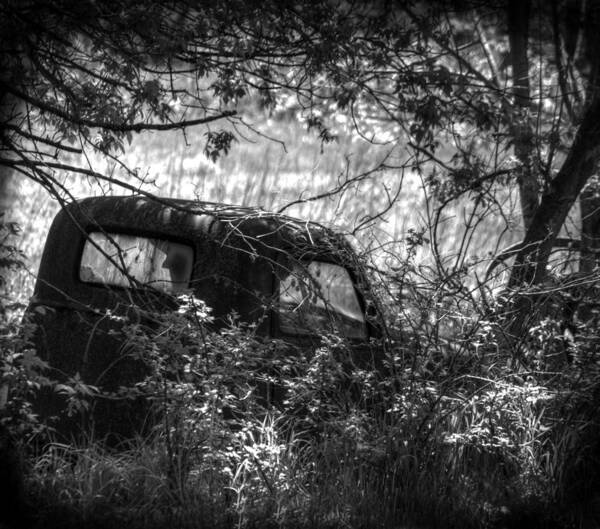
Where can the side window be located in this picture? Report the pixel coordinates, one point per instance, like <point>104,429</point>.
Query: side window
<point>159,263</point>
<point>318,297</point>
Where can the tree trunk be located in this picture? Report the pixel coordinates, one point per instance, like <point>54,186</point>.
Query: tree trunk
<point>590,226</point>
<point>522,132</point>
<point>531,261</point>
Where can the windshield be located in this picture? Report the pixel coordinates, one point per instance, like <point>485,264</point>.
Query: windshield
<point>317,297</point>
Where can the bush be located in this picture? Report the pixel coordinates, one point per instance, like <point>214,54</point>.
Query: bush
<point>442,431</point>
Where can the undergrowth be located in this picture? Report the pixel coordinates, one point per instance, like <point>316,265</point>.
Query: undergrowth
<point>445,431</point>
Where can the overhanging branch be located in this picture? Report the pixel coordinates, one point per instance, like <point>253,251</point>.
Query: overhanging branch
<point>111,125</point>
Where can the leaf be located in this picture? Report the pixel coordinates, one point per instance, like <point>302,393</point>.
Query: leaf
<point>218,143</point>
<point>63,389</point>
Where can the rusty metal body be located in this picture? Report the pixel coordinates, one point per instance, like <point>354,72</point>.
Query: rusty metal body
<point>239,260</point>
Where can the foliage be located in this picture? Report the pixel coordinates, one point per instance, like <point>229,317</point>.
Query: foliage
<point>21,370</point>
<point>91,79</point>
<point>443,433</point>
<point>469,97</point>
<point>486,413</point>
<point>21,376</point>
<point>11,258</point>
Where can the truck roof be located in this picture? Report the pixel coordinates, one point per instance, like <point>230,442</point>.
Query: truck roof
<point>143,211</point>
<point>236,230</point>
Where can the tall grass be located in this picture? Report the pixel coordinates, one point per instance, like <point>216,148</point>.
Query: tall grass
<point>443,435</point>
<point>459,474</point>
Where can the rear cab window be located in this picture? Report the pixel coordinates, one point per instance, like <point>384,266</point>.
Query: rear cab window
<point>115,259</point>
<point>319,296</point>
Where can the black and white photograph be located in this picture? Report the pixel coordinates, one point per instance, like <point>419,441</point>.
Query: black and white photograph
<point>299,264</point>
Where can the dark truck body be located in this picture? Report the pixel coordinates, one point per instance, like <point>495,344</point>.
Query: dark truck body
<point>257,264</point>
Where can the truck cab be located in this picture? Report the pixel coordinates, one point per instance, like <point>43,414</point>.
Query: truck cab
<point>110,259</point>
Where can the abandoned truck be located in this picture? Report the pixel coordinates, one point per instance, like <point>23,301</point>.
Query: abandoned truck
<point>112,256</point>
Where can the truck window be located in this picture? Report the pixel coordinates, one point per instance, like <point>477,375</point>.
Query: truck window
<point>320,296</point>
<point>158,263</point>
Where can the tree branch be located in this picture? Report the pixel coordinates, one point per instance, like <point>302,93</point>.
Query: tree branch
<point>108,125</point>
<point>34,137</point>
